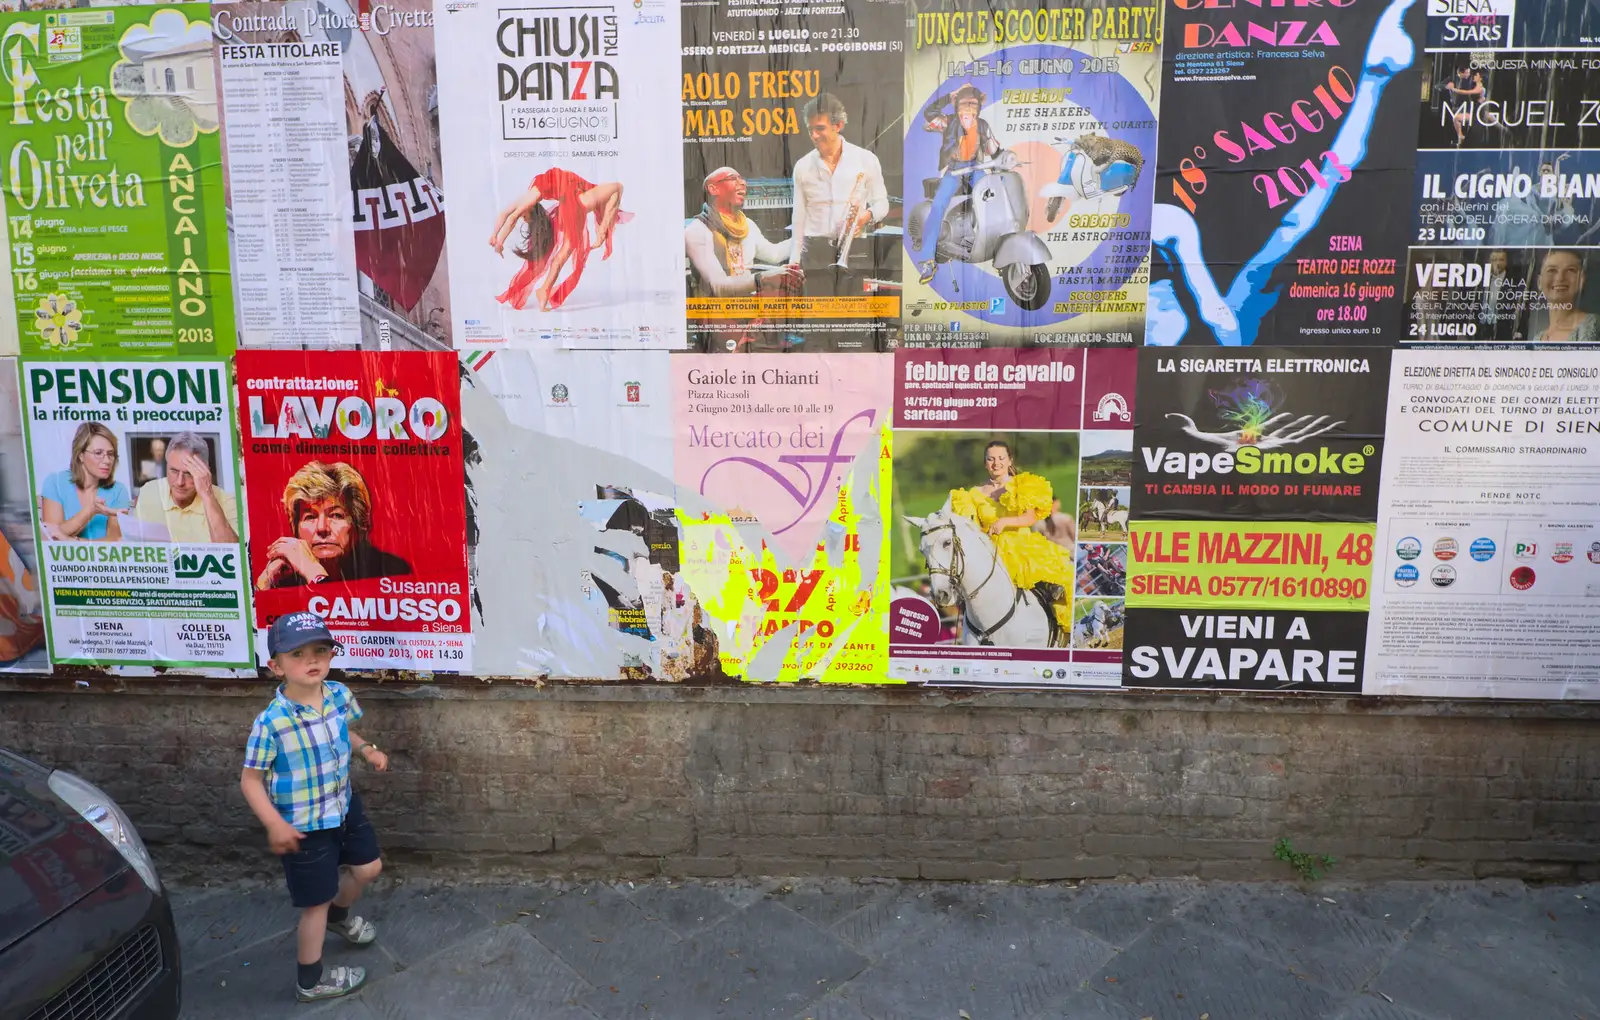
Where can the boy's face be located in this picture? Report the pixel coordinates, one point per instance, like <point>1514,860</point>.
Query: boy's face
<point>308,664</point>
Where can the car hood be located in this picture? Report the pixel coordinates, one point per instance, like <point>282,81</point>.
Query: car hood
<point>50,858</point>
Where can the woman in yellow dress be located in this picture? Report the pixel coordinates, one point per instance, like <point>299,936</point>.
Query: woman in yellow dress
<point>1007,506</point>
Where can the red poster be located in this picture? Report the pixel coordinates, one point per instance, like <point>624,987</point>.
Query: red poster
<point>356,501</point>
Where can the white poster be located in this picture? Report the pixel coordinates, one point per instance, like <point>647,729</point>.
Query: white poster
<point>571,523</point>
<point>336,197</point>
<point>294,263</point>
<point>561,135</point>
<point>1486,575</point>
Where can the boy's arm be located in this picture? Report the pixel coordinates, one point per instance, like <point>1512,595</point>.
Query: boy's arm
<point>282,837</point>
<point>374,757</point>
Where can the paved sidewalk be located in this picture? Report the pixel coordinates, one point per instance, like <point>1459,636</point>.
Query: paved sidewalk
<point>917,951</point>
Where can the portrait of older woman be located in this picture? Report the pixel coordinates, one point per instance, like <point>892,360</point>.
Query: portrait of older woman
<point>329,510</point>
<point>83,501</point>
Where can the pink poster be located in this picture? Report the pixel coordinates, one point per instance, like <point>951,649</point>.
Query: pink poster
<point>769,438</point>
<point>783,469</point>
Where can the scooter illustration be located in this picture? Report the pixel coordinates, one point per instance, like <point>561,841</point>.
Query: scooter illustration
<point>1092,166</point>
<point>987,222</point>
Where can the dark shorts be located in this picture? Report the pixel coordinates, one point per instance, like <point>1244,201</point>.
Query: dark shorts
<point>312,873</point>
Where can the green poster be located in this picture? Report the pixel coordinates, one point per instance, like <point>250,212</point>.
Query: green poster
<point>115,219</point>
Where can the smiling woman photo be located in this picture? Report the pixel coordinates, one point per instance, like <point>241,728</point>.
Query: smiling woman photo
<point>330,516</point>
<point>1561,283</point>
<point>83,501</point>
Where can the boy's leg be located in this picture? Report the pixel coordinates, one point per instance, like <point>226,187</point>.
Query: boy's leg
<point>313,931</point>
<point>359,854</point>
<point>312,875</point>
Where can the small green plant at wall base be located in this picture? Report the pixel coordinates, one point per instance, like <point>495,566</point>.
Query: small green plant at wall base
<point>1308,866</point>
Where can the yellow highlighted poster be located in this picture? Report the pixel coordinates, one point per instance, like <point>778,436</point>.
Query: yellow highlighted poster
<point>783,465</point>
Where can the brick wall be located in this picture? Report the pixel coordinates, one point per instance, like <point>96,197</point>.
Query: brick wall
<point>636,781</point>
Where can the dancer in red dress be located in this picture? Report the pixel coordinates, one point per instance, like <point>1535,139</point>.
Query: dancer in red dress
<point>553,240</point>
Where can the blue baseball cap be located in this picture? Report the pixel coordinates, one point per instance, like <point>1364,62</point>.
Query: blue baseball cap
<point>296,630</point>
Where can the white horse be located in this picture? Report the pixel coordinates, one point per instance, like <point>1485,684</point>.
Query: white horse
<point>1104,516</point>
<point>965,570</point>
<point>1094,629</point>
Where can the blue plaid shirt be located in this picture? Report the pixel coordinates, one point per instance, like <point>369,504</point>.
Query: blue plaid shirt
<point>305,752</point>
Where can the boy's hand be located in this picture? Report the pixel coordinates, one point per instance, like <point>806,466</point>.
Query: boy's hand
<point>283,838</point>
<point>377,759</point>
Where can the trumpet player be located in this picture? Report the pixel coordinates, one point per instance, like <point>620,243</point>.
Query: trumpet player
<point>824,179</point>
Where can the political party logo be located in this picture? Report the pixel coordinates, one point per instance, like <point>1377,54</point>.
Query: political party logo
<point>1594,552</point>
<point>1443,576</point>
<point>1408,548</point>
<point>1112,405</point>
<point>1562,552</point>
<point>1445,549</point>
<point>1525,550</point>
<point>632,390</point>
<point>558,393</point>
<point>1405,575</point>
<point>1482,549</point>
<point>1522,578</point>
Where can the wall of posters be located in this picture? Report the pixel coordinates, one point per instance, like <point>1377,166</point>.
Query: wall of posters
<point>1011,501</point>
<point>1252,541</point>
<point>342,448</point>
<point>782,464</point>
<point>115,220</point>
<point>1027,128</point>
<point>334,182</point>
<point>565,166</point>
<point>1285,147</point>
<point>1488,547</point>
<point>958,241</point>
<point>792,196</point>
<point>133,466</point>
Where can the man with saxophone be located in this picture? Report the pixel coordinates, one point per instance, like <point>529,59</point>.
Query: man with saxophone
<point>839,194</point>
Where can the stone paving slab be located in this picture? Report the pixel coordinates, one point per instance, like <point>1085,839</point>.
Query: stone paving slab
<point>841,950</point>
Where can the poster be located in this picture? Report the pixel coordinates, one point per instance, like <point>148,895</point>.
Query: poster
<point>782,464</point>
<point>334,182</point>
<point>1027,132</point>
<point>576,568</point>
<point>22,644</point>
<point>1008,544</point>
<point>1488,550</point>
<point>115,218</point>
<point>792,194</point>
<point>560,134</point>
<point>134,470</point>
<point>1507,187</point>
<point>342,449</point>
<point>1256,484</point>
<point>1287,150</point>
<point>1273,433</point>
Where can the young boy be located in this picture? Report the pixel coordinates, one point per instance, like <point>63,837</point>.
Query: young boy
<point>296,779</point>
